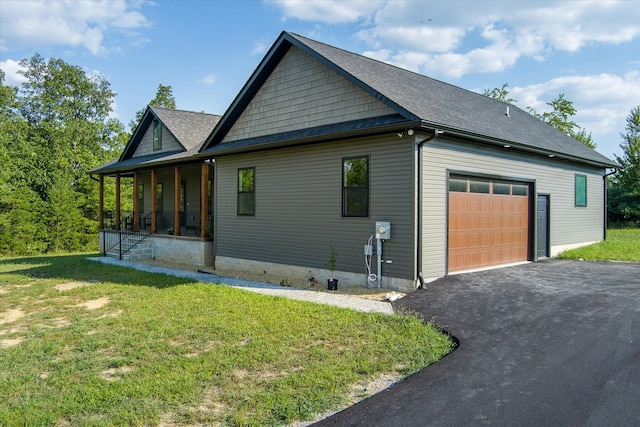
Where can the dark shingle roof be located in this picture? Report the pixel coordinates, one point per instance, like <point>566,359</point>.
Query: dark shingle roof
<point>419,99</point>
<point>448,107</point>
<point>191,129</point>
<point>188,127</point>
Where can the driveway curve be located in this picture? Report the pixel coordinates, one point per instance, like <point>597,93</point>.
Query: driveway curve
<point>553,343</point>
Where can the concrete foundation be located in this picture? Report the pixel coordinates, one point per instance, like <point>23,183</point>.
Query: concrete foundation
<point>321,275</point>
<point>184,250</point>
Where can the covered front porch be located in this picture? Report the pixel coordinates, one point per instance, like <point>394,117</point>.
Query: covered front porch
<point>170,208</point>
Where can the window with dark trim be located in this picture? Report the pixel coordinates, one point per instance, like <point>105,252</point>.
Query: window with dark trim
<point>157,135</point>
<point>159,198</point>
<point>141,198</point>
<point>246,191</point>
<point>355,186</point>
<point>581,190</point>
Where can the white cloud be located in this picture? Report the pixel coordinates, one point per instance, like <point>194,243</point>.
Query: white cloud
<point>11,68</point>
<point>455,38</point>
<point>71,23</point>
<point>209,79</point>
<point>260,46</point>
<point>602,101</point>
<point>425,39</point>
<point>328,11</point>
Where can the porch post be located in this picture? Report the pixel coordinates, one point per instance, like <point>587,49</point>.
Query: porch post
<point>136,203</point>
<point>176,202</point>
<point>101,204</point>
<point>154,197</point>
<point>204,208</point>
<point>117,202</point>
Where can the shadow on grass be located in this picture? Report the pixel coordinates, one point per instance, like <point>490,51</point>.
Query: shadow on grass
<point>76,267</point>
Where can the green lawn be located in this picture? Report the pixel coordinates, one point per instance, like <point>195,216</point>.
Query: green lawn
<point>621,245</point>
<point>82,343</point>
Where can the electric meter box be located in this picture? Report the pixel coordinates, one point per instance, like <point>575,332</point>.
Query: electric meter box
<point>383,230</point>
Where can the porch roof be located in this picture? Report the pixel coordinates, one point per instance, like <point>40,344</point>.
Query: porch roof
<point>189,128</point>
<point>141,162</point>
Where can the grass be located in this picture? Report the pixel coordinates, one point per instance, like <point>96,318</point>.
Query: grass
<point>621,245</point>
<point>82,343</point>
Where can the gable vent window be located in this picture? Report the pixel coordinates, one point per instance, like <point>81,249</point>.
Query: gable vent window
<point>157,135</point>
<point>355,186</point>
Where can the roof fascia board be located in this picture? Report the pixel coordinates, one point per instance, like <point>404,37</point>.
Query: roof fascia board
<point>337,136</point>
<point>136,136</point>
<point>152,165</point>
<point>279,48</point>
<point>248,91</point>
<point>514,145</point>
<point>351,78</point>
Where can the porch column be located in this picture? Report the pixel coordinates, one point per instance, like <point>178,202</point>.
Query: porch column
<point>117,202</point>
<point>204,199</point>
<point>154,198</point>
<point>136,203</point>
<point>101,204</point>
<point>176,202</point>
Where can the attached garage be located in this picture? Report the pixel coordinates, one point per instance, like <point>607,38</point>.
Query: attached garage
<point>489,222</point>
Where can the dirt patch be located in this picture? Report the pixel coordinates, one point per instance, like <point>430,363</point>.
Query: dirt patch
<point>198,351</point>
<point>10,342</point>
<point>115,374</point>
<point>113,314</point>
<point>11,315</point>
<point>296,282</point>
<point>71,285</point>
<point>95,303</point>
<point>58,322</point>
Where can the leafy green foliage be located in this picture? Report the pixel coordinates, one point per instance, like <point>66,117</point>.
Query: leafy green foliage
<point>560,118</point>
<point>624,191</point>
<point>164,98</point>
<point>501,94</point>
<point>93,344</point>
<point>54,128</point>
<point>629,175</point>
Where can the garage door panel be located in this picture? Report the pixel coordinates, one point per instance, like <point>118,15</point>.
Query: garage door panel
<point>488,229</point>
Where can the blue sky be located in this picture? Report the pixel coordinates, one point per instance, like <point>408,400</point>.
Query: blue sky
<point>206,50</point>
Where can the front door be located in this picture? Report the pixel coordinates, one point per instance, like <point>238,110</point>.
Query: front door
<point>543,226</point>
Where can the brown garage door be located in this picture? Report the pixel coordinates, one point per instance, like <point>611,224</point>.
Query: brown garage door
<point>488,223</point>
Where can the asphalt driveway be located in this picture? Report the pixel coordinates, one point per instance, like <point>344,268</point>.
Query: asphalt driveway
<point>555,343</point>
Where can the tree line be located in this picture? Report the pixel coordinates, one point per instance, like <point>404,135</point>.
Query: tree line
<point>56,127</point>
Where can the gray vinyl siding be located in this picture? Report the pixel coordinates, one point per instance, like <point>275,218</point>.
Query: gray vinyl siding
<point>169,143</point>
<point>298,195</point>
<point>568,224</point>
<point>301,93</point>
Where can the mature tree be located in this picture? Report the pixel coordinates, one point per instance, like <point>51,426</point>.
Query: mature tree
<point>560,118</point>
<point>501,94</point>
<point>53,130</point>
<point>629,175</point>
<point>624,193</point>
<point>164,98</point>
